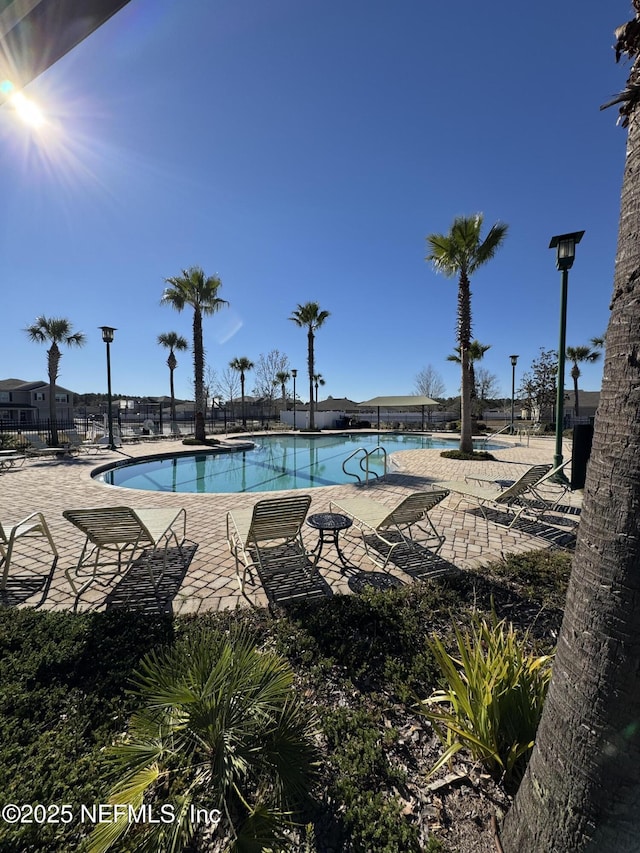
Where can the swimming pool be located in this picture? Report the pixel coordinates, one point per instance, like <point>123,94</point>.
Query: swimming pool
<point>274,463</point>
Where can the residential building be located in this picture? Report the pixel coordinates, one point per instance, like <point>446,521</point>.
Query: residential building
<point>25,404</point>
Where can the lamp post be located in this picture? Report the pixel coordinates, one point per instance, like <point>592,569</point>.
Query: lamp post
<point>107,337</point>
<point>565,246</point>
<point>294,373</point>
<point>514,361</point>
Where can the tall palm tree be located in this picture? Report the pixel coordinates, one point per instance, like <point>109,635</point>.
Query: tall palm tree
<point>460,253</point>
<point>579,355</point>
<point>476,353</point>
<point>172,341</point>
<point>318,379</point>
<point>281,379</point>
<point>56,331</point>
<point>580,790</point>
<point>193,288</point>
<point>242,365</point>
<point>312,317</point>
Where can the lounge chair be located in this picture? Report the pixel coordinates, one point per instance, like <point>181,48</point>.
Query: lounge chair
<point>75,443</point>
<point>11,458</point>
<point>512,499</point>
<point>119,534</point>
<point>373,518</point>
<point>33,526</point>
<point>253,534</point>
<point>37,447</point>
<point>547,503</point>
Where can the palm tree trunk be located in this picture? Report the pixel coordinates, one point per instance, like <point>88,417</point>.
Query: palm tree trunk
<point>173,398</point>
<point>575,373</point>
<point>310,364</point>
<point>464,340</point>
<point>198,371</point>
<point>53,363</point>
<point>244,416</point>
<point>580,791</point>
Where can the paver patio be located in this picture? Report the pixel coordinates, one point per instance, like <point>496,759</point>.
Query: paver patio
<point>51,486</point>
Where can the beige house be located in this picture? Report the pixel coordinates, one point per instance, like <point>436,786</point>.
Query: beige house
<point>24,404</point>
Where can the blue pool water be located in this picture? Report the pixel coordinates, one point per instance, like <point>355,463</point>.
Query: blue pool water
<point>275,463</point>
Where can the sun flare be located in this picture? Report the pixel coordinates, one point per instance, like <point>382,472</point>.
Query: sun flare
<point>28,111</point>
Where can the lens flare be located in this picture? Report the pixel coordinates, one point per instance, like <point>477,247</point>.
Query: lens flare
<point>28,111</point>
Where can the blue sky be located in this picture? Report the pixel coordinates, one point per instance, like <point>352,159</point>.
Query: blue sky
<point>302,150</point>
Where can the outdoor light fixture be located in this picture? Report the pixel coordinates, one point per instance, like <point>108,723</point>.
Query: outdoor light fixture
<point>294,373</point>
<point>514,361</point>
<point>107,337</point>
<point>565,246</point>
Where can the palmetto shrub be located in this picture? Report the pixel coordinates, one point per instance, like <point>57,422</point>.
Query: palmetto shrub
<point>220,728</point>
<point>493,699</point>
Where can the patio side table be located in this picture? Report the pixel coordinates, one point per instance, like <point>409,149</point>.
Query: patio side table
<point>329,525</point>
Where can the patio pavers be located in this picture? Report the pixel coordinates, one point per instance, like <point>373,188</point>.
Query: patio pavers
<point>52,486</point>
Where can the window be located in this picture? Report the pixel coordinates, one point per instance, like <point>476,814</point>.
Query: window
<point>39,396</point>
<point>62,398</point>
<point>5,397</point>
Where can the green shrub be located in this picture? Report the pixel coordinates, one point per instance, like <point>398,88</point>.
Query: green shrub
<point>359,745</point>
<point>494,697</point>
<point>483,455</point>
<point>220,726</point>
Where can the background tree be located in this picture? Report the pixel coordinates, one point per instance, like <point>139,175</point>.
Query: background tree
<point>318,379</point>
<point>460,253</point>
<point>487,388</point>
<point>200,292</point>
<point>539,386</point>
<point>172,341</point>
<point>281,379</point>
<point>242,365</point>
<point>310,316</point>
<point>55,331</point>
<point>229,386</point>
<point>580,791</point>
<point>428,383</point>
<point>476,353</point>
<point>266,369</point>
<point>579,355</point>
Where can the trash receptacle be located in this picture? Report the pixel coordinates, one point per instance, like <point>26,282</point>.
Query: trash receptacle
<point>582,438</point>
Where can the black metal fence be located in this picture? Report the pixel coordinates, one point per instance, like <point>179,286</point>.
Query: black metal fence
<point>130,425</point>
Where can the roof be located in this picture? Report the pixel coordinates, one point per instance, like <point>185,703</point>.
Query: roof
<point>24,385</point>
<point>398,402</point>
<point>336,404</point>
<point>36,33</point>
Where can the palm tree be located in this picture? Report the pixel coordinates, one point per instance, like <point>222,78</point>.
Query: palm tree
<point>578,355</point>
<point>580,790</point>
<point>201,293</point>
<point>476,353</point>
<point>318,379</point>
<point>172,341</point>
<point>241,365</point>
<point>312,317</point>
<point>219,725</point>
<point>281,379</point>
<point>54,330</point>
<point>460,253</point>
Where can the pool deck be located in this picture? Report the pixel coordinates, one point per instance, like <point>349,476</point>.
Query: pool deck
<point>53,485</point>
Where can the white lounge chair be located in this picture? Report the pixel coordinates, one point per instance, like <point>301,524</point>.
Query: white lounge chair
<point>119,534</point>
<point>271,523</point>
<point>37,447</point>
<point>373,518</point>
<point>512,499</point>
<point>33,526</point>
<point>75,443</point>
